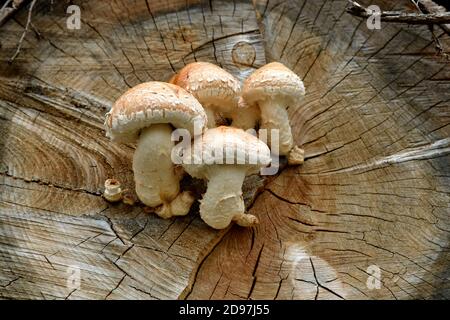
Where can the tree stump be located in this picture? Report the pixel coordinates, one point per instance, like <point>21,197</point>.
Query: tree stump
<point>370,203</point>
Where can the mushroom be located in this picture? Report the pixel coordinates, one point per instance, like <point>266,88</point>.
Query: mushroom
<point>113,190</point>
<point>218,91</point>
<point>145,114</point>
<point>273,88</point>
<point>225,156</point>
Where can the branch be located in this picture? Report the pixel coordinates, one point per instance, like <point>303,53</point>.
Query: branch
<point>7,11</point>
<point>429,6</point>
<point>421,7</point>
<point>401,17</point>
<point>27,27</point>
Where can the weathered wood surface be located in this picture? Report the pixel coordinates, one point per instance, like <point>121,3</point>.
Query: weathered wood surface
<point>374,189</point>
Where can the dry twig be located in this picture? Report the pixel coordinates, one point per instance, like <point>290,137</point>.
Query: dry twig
<point>27,27</point>
<point>438,45</point>
<point>429,19</point>
<point>401,17</point>
<point>429,6</point>
<point>9,8</point>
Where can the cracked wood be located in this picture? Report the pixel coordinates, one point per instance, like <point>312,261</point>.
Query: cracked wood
<point>374,189</point>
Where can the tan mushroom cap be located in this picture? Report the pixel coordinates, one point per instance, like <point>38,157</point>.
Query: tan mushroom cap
<point>274,80</point>
<point>151,103</point>
<point>210,84</point>
<point>244,148</point>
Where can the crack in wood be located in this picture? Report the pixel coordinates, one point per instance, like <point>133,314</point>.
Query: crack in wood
<point>373,101</point>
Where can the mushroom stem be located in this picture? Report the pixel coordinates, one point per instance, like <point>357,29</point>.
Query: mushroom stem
<point>275,116</point>
<point>179,206</point>
<point>210,113</point>
<point>156,181</point>
<point>296,156</point>
<point>246,118</point>
<point>223,202</point>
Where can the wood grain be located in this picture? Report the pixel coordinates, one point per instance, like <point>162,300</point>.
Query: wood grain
<point>374,189</point>
<point>374,186</point>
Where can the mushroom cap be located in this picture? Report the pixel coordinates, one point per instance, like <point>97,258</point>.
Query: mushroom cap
<point>210,84</point>
<point>272,81</point>
<point>151,103</point>
<point>235,147</point>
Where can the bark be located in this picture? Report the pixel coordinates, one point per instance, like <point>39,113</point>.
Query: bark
<point>374,188</point>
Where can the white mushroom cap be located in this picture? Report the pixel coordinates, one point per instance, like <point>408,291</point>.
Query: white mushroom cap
<point>244,148</point>
<point>210,84</point>
<point>150,103</point>
<point>238,154</point>
<point>274,80</point>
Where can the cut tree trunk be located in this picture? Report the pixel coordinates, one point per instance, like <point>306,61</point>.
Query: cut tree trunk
<point>372,195</point>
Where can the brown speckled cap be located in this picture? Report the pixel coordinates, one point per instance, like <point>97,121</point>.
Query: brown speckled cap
<point>210,84</point>
<point>150,103</point>
<point>274,80</point>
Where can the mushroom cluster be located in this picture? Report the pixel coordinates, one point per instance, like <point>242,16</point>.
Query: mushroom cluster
<point>214,109</point>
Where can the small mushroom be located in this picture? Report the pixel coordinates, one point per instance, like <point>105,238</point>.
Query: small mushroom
<point>273,88</point>
<point>145,114</point>
<point>225,156</point>
<point>218,91</point>
<point>113,190</point>
<point>128,198</point>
